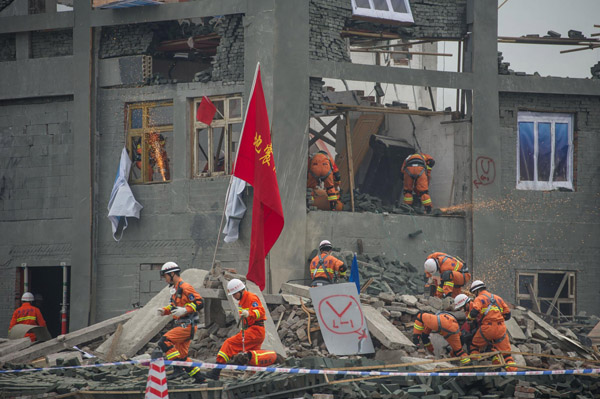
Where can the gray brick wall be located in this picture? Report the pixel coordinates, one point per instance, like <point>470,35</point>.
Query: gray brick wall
<point>437,19</point>
<point>35,189</point>
<point>552,230</point>
<point>316,96</point>
<point>228,63</point>
<point>121,40</point>
<point>327,19</point>
<point>51,44</point>
<point>8,48</point>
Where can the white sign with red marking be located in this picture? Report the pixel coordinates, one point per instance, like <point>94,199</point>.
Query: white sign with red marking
<point>341,319</point>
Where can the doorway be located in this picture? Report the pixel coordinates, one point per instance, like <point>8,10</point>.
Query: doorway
<point>46,284</point>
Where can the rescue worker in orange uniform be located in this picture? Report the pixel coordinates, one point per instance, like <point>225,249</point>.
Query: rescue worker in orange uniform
<point>184,307</point>
<point>27,314</point>
<point>260,357</point>
<point>454,273</point>
<point>444,324</point>
<point>322,170</point>
<point>324,268</point>
<point>490,311</point>
<point>416,169</point>
<point>252,318</point>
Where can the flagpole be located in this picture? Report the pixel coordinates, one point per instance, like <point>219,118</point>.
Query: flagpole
<point>232,173</point>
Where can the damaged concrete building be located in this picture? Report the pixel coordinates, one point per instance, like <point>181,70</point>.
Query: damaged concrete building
<point>81,84</point>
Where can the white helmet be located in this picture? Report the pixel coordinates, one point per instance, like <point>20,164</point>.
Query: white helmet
<point>234,285</point>
<point>324,245</point>
<point>27,297</point>
<point>460,301</point>
<point>430,266</point>
<point>169,267</point>
<point>477,285</point>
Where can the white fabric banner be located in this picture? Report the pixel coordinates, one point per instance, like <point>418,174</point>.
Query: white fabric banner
<point>235,210</point>
<point>122,204</point>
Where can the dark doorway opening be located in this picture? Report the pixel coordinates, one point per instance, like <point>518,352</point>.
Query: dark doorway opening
<point>48,282</point>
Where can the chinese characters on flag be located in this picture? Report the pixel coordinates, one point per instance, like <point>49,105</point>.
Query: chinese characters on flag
<point>255,165</point>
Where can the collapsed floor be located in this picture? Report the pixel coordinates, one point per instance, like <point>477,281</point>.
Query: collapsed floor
<point>395,291</point>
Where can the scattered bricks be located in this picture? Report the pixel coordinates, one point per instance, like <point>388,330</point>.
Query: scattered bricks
<point>523,395</point>
<point>445,394</point>
<point>490,396</point>
<point>301,334</point>
<point>410,300</point>
<point>454,386</point>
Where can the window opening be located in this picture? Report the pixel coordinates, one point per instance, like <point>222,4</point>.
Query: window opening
<point>388,11</point>
<point>554,292</point>
<point>215,145</point>
<point>150,132</point>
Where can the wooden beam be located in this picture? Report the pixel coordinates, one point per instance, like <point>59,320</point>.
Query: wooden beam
<point>535,304</point>
<point>319,136</point>
<point>382,110</point>
<point>327,126</point>
<point>350,162</point>
<point>557,294</point>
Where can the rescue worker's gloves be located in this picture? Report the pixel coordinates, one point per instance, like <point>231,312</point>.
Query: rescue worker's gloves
<point>245,313</point>
<point>337,178</point>
<point>332,205</point>
<point>343,269</point>
<point>506,316</point>
<point>430,162</point>
<point>416,340</point>
<point>179,311</point>
<point>160,312</point>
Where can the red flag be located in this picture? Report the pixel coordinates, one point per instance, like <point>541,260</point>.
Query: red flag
<point>206,111</point>
<point>255,165</point>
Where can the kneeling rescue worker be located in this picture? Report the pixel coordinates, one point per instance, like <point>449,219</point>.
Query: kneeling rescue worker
<point>454,273</point>
<point>489,311</point>
<point>416,169</point>
<point>324,268</point>
<point>252,334</point>
<point>444,324</point>
<point>184,307</point>
<point>323,171</point>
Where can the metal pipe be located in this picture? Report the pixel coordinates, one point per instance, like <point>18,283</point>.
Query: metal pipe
<point>63,309</point>
<point>25,277</point>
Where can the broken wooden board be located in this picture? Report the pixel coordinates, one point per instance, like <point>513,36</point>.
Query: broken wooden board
<point>295,289</point>
<point>67,341</point>
<point>383,330</point>
<point>514,331</point>
<point>594,335</point>
<point>14,345</point>
<point>272,340</point>
<point>145,323</point>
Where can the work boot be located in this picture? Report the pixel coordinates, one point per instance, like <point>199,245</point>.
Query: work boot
<point>178,371</point>
<point>157,353</point>
<point>213,374</point>
<point>428,210</point>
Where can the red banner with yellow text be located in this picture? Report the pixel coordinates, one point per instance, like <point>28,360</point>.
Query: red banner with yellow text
<point>255,165</point>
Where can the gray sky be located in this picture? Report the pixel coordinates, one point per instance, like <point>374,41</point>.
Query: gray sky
<point>521,17</point>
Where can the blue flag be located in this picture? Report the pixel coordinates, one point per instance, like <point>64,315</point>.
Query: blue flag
<point>354,277</point>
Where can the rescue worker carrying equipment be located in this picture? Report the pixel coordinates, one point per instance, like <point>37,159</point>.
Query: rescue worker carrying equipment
<point>184,307</point>
<point>260,357</point>
<point>444,324</point>
<point>27,314</point>
<point>323,171</point>
<point>490,311</point>
<point>454,273</point>
<point>416,169</point>
<point>325,268</point>
<point>252,334</point>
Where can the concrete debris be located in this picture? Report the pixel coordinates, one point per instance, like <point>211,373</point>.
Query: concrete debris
<point>595,70</point>
<point>390,313</point>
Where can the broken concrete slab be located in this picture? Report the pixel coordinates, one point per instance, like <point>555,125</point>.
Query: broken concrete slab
<point>272,340</point>
<point>514,331</point>
<point>145,323</point>
<point>54,359</point>
<point>383,330</point>
<point>19,330</point>
<point>295,289</point>
<point>426,366</point>
<point>67,341</point>
<point>553,332</point>
<point>14,345</point>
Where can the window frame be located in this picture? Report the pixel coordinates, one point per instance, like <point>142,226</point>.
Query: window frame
<point>553,118</point>
<point>570,285</point>
<point>388,16</point>
<point>140,132</point>
<point>228,144</point>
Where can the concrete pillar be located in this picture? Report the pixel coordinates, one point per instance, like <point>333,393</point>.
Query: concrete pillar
<point>83,276</point>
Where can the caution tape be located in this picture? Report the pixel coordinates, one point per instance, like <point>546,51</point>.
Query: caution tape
<point>325,371</point>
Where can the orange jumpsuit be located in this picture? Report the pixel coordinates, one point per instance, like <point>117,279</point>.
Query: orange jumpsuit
<point>253,329</point>
<point>490,311</point>
<point>30,315</point>
<point>323,268</point>
<point>176,342</point>
<point>417,175</point>
<point>454,274</point>
<point>444,324</point>
<point>322,169</point>
<point>262,358</point>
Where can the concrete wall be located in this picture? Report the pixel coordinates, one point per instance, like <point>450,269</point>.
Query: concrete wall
<point>387,234</point>
<point>551,230</point>
<point>51,44</point>
<point>36,173</point>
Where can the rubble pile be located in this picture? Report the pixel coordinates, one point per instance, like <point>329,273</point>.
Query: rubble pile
<point>595,70</point>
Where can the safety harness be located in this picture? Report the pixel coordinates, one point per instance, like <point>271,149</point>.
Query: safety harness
<point>440,328</point>
<point>322,266</point>
<point>191,318</point>
<point>493,305</point>
<point>321,179</point>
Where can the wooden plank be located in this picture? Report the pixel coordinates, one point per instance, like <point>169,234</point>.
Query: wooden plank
<point>383,330</point>
<point>558,291</point>
<point>272,340</point>
<point>145,323</point>
<point>328,126</point>
<point>67,341</point>
<point>319,136</point>
<point>366,125</point>
<point>110,357</point>
<point>350,163</point>
<point>534,301</point>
